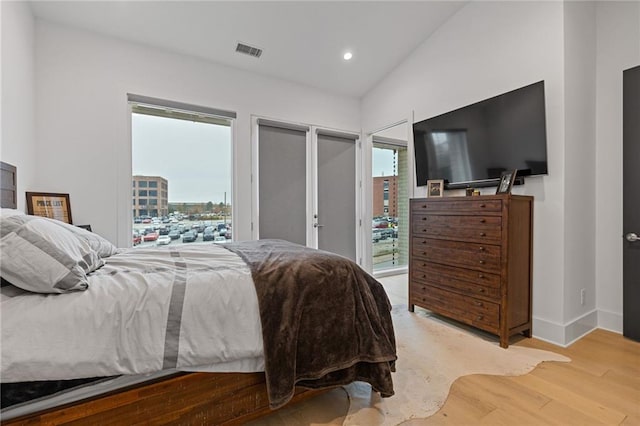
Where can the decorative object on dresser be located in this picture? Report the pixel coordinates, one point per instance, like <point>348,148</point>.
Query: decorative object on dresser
<point>471,260</point>
<point>506,182</point>
<point>436,188</point>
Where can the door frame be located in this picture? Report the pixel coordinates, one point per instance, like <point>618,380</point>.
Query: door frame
<point>367,170</point>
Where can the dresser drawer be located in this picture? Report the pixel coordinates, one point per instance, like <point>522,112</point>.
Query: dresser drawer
<point>468,228</point>
<point>465,281</point>
<point>479,257</point>
<point>451,206</point>
<point>476,312</point>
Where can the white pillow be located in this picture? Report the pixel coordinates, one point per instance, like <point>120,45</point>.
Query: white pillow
<point>102,246</point>
<point>41,256</point>
<point>10,212</point>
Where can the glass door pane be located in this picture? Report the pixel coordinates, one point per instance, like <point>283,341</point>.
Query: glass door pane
<point>390,207</point>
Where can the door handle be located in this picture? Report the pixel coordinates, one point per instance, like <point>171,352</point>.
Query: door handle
<point>632,237</point>
<point>317,225</point>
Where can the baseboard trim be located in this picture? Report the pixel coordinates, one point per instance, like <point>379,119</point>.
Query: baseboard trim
<point>566,334</point>
<point>611,321</point>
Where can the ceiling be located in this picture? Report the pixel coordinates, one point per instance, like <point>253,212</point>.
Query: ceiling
<point>302,41</point>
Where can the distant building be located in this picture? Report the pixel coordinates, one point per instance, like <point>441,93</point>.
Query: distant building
<point>150,196</point>
<point>385,196</point>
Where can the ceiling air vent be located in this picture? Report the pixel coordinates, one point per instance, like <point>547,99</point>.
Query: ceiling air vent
<point>249,50</point>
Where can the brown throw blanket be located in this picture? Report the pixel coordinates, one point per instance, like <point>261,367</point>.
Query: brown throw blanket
<point>325,321</point>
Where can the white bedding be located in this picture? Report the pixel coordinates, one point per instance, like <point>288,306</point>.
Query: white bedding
<point>191,308</point>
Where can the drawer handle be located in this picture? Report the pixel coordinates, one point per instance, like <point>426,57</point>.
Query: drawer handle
<point>482,234</point>
<point>424,276</point>
<point>424,206</point>
<point>424,253</point>
<point>424,230</point>
<point>482,262</point>
<point>424,288</point>
<point>481,249</point>
<point>424,264</point>
<point>423,242</point>
<point>483,220</point>
<point>483,205</point>
<point>477,303</point>
<point>479,318</point>
<point>480,275</point>
<point>481,290</point>
<point>424,218</point>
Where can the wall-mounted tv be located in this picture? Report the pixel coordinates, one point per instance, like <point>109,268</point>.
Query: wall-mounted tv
<point>473,145</point>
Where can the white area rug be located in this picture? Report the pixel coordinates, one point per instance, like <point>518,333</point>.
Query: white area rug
<point>432,354</point>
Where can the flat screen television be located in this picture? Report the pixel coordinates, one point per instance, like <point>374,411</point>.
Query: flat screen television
<point>473,145</point>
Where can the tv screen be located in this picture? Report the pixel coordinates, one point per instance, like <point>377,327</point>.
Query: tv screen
<point>473,145</point>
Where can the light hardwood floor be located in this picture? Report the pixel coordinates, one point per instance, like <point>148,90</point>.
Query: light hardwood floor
<point>601,385</point>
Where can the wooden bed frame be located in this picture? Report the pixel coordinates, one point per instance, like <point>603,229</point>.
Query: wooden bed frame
<point>182,399</point>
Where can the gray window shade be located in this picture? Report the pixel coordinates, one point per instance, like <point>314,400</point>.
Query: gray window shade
<point>338,134</point>
<point>280,125</point>
<point>389,143</point>
<point>178,110</point>
<point>337,194</point>
<point>282,183</point>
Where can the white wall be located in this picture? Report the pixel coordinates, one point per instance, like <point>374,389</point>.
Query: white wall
<point>618,48</point>
<point>83,126</point>
<point>579,194</point>
<point>580,49</point>
<point>485,49</point>
<point>17,143</point>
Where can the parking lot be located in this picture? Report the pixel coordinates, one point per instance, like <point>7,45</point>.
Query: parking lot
<point>185,225</point>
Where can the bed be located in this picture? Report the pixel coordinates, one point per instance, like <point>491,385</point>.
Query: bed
<point>218,334</point>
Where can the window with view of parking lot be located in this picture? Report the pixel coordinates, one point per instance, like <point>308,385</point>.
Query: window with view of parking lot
<point>182,160</point>
<point>389,236</point>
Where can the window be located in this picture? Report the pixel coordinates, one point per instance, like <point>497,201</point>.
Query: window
<point>183,153</point>
<point>390,204</point>
<point>142,193</point>
<point>142,202</point>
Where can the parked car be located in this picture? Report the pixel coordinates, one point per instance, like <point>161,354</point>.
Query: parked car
<point>219,240</point>
<point>174,234</point>
<point>163,240</point>
<point>151,236</point>
<point>378,234</point>
<point>208,234</point>
<point>189,237</point>
<point>137,239</point>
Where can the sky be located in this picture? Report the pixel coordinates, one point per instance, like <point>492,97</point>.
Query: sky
<point>195,158</point>
<point>382,162</point>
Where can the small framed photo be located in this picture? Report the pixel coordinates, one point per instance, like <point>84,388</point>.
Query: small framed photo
<point>506,182</point>
<point>47,204</point>
<point>435,188</point>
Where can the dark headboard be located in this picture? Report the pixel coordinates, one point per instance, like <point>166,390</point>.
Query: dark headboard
<point>8,186</point>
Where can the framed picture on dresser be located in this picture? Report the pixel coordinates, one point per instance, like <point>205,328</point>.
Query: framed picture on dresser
<point>435,188</point>
<point>506,182</point>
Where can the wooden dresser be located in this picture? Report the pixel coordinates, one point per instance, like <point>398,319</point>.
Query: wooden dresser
<point>471,260</point>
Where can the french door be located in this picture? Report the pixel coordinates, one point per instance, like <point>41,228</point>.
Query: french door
<point>307,186</point>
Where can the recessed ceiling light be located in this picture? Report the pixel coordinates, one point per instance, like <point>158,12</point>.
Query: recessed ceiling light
<point>347,56</point>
